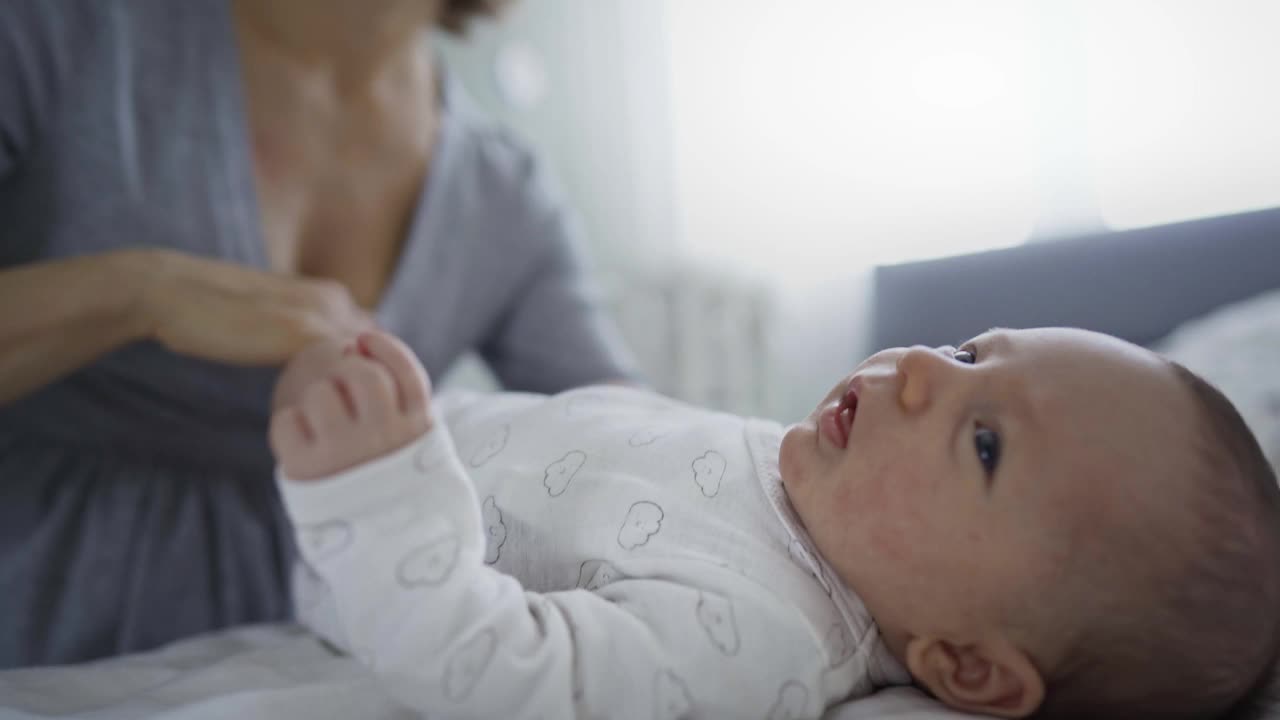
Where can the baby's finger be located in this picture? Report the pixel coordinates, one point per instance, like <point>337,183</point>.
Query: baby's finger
<point>289,433</point>
<point>412,384</point>
<point>370,387</point>
<point>327,407</point>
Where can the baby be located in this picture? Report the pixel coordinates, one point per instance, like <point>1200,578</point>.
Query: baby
<point>1042,522</point>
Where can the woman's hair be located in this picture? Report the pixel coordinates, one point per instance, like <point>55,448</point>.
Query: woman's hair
<point>456,15</point>
<point>1198,637</point>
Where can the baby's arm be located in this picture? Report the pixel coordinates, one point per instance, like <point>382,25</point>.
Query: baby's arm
<point>401,544</point>
<point>338,404</point>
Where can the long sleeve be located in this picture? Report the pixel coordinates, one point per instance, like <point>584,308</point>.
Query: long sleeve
<point>554,334</point>
<point>23,76</point>
<point>401,544</point>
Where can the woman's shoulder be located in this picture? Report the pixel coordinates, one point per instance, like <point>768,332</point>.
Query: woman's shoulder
<point>36,20</point>
<point>55,32</point>
<point>41,40</point>
<point>51,47</point>
<point>500,166</point>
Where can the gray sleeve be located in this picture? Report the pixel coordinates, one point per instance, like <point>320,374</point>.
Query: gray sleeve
<point>13,104</point>
<point>554,334</point>
<point>28,64</point>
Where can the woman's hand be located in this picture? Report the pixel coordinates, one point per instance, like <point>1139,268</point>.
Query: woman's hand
<point>228,313</point>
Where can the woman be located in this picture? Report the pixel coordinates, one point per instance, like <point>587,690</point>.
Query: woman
<point>189,192</point>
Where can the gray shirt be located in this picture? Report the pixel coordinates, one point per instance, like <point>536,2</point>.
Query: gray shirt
<point>135,495</point>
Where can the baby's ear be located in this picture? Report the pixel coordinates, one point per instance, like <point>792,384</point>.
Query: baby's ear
<point>992,677</point>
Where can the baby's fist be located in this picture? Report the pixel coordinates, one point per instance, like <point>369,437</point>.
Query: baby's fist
<point>371,400</point>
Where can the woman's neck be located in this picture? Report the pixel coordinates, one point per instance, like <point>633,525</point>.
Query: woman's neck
<point>355,40</point>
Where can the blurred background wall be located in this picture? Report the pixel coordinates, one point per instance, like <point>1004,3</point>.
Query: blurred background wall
<point>742,165</point>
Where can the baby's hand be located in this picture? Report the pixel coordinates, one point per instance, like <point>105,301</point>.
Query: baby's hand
<point>371,399</point>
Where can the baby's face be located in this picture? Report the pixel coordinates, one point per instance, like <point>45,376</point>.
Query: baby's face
<point>944,485</point>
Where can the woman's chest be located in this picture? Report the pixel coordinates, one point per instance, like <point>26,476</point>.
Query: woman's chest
<point>338,200</point>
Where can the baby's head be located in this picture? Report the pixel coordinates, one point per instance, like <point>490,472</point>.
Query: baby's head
<point>1048,520</point>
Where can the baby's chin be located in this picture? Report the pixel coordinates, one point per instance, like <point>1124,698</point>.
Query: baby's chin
<point>791,456</point>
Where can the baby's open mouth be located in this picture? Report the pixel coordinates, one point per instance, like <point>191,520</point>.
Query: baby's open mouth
<point>846,411</point>
<point>837,420</point>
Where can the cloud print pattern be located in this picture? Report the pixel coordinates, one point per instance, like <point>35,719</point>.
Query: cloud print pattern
<point>708,471</point>
<point>595,574</point>
<point>643,521</point>
<point>427,561</point>
<point>716,616</point>
<point>495,531</point>
<point>560,473</point>
<point>496,443</point>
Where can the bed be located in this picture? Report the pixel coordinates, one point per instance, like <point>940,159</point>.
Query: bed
<point>1190,289</point>
<point>269,671</point>
<point>1139,285</point>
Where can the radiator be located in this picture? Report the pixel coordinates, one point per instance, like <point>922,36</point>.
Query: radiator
<point>700,335</point>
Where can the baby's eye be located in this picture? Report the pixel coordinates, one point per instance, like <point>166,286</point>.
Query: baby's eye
<point>965,355</point>
<point>987,442</point>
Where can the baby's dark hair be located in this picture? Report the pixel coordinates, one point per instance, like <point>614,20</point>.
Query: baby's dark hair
<point>456,15</point>
<point>1199,637</point>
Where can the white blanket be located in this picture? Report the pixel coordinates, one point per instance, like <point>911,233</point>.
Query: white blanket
<point>272,671</point>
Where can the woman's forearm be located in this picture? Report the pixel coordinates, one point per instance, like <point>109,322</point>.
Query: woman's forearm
<point>58,316</point>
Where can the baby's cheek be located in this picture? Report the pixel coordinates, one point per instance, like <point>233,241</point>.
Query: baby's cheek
<point>894,517</point>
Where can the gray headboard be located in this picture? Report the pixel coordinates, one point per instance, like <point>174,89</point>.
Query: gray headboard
<point>1136,284</point>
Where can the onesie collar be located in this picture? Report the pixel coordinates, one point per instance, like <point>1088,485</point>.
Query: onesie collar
<point>764,439</point>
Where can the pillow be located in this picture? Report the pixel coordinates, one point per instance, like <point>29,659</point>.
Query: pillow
<point>1237,349</point>
<point>899,703</point>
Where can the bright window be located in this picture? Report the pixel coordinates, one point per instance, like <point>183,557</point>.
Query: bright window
<point>1184,113</point>
<point>813,135</point>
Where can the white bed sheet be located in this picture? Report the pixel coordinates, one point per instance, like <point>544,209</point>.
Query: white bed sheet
<point>271,671</point>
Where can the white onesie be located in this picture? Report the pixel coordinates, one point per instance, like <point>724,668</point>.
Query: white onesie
<point>603,553</point>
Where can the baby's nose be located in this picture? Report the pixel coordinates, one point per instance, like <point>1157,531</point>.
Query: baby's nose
<point>920,371</point>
